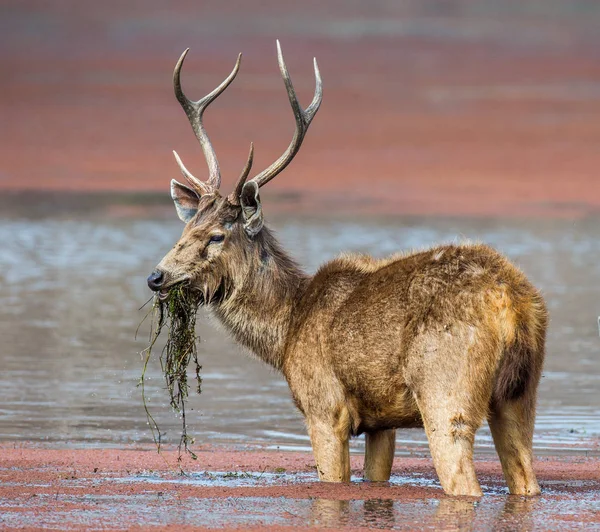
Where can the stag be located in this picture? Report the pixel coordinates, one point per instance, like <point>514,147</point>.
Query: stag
<point>440,339</point>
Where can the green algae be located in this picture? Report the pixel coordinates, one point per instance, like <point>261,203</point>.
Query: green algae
<point>177,314</point>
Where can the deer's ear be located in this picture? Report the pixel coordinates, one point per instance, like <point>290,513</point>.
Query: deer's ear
<point>251,209</point>
<point>186,201</point>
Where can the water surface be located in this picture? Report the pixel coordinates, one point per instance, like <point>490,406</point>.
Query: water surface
<point>69,305</point>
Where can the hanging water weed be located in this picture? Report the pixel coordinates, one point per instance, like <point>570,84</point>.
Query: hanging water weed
<point>177,313</point>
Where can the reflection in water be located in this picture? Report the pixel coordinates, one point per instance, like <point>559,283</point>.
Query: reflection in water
<point>455,514</point>
<point>448,513</point>
<point>517,513</point>
<point>330,513</point>
<point>335,513</point>
<point>69,303</point>
<point>379,513</point>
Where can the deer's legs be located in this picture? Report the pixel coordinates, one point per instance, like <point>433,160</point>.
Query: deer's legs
<point>379,455</point>
<point>330,443</point>
<point>450,373</point>
<point>512,429</point>
<point>451,437</point>
<point>452,411</point>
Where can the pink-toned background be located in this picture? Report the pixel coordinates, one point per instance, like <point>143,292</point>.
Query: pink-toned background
<point>448,107</point>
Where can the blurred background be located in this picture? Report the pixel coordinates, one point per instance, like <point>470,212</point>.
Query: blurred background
<point>441,120</point>
<point>483,107</point>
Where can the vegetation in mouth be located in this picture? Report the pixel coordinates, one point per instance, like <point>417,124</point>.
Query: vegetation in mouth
<point>176,313</point>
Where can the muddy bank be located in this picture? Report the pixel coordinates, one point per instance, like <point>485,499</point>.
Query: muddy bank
<point>117,489</point>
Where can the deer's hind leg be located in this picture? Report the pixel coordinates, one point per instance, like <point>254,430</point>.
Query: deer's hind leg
<point>379,455</point>
<point>451,435</point>
<point>450,375</point>
<point>511,424</point>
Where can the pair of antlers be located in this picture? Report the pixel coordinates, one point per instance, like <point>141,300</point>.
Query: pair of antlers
<point>195,110</point>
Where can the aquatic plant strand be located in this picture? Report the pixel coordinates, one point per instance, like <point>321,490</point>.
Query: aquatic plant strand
<point>178,314</point>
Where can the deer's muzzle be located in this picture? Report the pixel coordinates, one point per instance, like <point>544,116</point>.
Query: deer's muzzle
<point>156,280</point>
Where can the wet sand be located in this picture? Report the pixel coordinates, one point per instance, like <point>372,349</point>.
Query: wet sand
<point>119,489</point>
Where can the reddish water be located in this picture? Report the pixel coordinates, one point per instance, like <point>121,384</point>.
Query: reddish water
<point>430,107</point>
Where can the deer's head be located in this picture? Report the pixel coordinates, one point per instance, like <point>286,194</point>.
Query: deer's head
<point>221,231</point>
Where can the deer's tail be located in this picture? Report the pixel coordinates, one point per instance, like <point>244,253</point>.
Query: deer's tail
<point>524,320</point>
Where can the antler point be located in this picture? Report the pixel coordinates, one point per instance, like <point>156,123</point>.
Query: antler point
<point>182,56</point>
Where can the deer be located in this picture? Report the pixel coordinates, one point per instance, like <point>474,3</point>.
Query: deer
<point>442,338</point>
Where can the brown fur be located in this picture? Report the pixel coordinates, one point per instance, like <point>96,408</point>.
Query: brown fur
<point>441,338</point>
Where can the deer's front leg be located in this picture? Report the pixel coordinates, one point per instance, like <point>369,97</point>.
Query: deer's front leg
<point>379,455</point>
<point>330,443</point>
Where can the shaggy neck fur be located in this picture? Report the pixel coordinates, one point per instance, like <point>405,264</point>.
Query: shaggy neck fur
<point>266,284</point>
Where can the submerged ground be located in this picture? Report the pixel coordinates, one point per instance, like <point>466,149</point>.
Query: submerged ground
<point>117,489</point>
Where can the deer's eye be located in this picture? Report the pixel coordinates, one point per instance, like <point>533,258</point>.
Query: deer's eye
<point>216,238</point>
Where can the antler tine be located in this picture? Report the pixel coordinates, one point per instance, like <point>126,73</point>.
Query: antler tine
<point>303,120</point>
<point>234,197</point>
<point>199,185</point>
<point>194,111</point>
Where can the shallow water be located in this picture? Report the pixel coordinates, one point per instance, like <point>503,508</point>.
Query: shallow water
<point>69,305</point>
<point>571,504</point>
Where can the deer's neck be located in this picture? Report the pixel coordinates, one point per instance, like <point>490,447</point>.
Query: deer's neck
<point>265,292</point>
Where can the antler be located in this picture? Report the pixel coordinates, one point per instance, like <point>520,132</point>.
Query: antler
<point>194,112</point>
<point>234,197</point>
<point>303,120</point>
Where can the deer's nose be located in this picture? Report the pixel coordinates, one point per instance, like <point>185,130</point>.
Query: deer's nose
<point>155,280</point>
